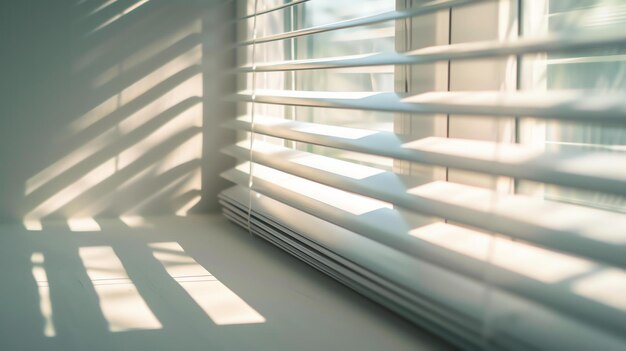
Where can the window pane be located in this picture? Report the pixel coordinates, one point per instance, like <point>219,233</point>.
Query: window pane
<point>592,70</point>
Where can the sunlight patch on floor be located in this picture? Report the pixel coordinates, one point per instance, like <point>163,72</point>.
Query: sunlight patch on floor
<point>121,304</point>
<point>86,224</point>
<point>45,306</point>
<point>220,303</point>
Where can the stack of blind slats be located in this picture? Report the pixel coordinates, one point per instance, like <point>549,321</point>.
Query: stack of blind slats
<point>354,222</point>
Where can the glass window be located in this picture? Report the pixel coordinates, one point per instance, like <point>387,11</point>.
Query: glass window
<point>596,70</point>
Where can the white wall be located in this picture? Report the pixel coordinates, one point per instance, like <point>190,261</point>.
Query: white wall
<point>112,107</point>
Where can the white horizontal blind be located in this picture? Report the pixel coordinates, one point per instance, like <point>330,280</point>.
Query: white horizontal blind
<point>461,161</point>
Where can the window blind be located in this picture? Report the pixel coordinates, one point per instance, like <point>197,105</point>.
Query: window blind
<point>462,162</point>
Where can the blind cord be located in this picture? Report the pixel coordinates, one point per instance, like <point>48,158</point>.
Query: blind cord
<point>252,112</point>
<point>486,330</point>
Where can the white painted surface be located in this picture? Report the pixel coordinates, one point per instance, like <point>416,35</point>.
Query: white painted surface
<point>110,108</point>
<point>53,293</point>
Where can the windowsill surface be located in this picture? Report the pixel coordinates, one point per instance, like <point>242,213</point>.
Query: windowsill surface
<point>178,283</point>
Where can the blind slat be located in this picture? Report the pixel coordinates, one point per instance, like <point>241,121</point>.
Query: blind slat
<point>464,51</point>
<point>422,9</point>
<point>438,315</point>
<point>606,174</point>
<point>375,225</point>
<point>536,325</point>
<point>560,105</point>
<point>276,8</point>
<point>533,220</point>
<point>579,233</point>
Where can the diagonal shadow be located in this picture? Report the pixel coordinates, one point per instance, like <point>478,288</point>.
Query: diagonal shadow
<point>72,174</point>
<point>103,188</point>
